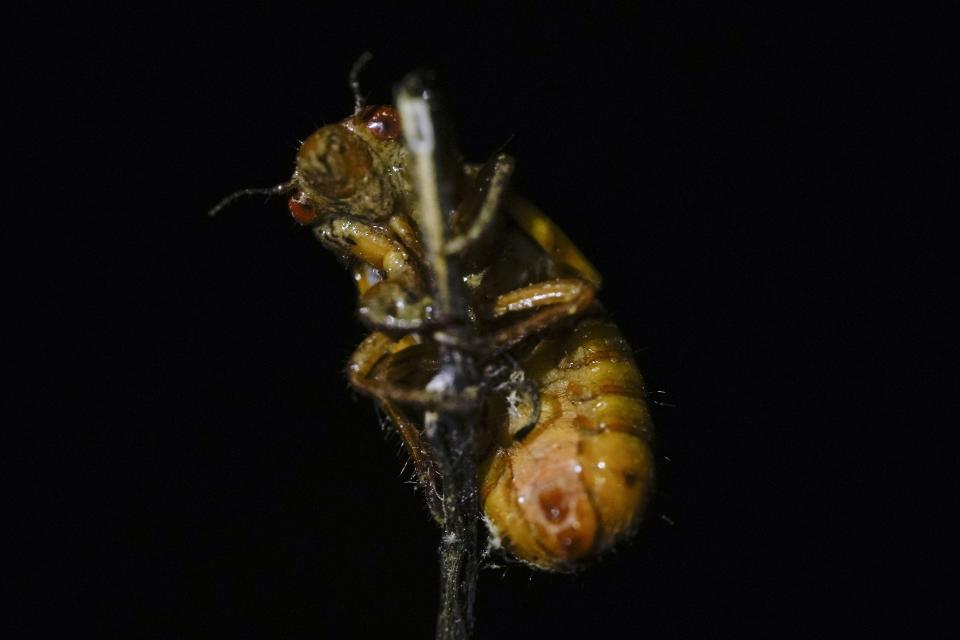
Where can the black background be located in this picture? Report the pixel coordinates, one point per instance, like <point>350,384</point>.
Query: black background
<point>749,181</point>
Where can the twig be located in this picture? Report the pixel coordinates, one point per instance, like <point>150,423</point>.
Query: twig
<point>451,435</point>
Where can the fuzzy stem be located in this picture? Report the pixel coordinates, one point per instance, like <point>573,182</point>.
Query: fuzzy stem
<point>451,435</point>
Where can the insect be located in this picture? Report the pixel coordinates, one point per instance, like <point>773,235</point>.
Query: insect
<point>566,465</point>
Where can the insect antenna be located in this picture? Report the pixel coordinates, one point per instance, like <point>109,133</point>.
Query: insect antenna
<point>358,100</point>
<point>277,190</point>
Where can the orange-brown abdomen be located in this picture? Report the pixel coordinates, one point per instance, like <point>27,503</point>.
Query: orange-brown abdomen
<point>579,481</point>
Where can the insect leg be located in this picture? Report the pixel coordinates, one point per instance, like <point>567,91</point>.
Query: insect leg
<point>491,185</point>
<point>406,233</point>
<point>390,304</point>
<point>368,355</point>
<point>371,351</point>
<point>419,454</point>
<point>555,300</point>
<point>347,236</point>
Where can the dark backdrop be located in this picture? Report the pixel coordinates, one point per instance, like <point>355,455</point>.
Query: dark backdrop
<point>200,468</point>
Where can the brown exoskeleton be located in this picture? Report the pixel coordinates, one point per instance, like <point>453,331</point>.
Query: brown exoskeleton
<point>566,464</point>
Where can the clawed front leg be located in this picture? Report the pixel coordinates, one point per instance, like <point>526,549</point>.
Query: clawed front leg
<point>348,236</point>
<point>394,303</point>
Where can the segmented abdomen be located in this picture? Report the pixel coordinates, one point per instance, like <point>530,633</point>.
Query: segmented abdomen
<point>581,478</point>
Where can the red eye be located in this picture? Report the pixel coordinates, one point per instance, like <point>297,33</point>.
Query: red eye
<point>302,212</point>
<point>382,122</point>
